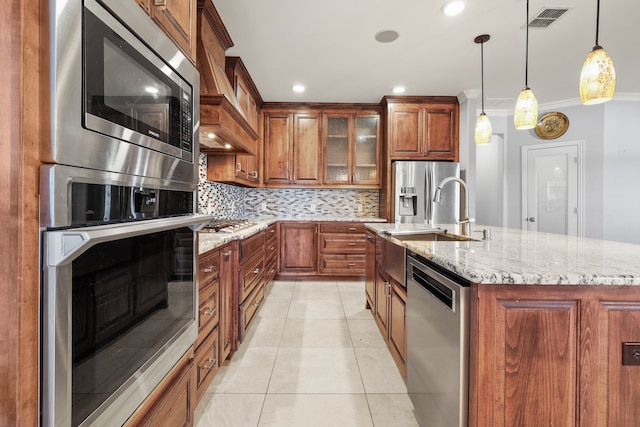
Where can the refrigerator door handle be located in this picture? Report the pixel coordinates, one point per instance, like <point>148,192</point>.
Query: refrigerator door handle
<point>428,203</point>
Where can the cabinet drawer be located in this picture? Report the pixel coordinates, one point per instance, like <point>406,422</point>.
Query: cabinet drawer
<point>251,273</point>
<point>270,232</point>
<point>207,363</point>
<point>208,311</point>
<point>342,227</point>
<point>270,270</point>
<point>208,267</point>
<point>343,243</point>
<point>250,246</point>
<point>249,308</point>
<point>345,265</point>
<point>270,250</point>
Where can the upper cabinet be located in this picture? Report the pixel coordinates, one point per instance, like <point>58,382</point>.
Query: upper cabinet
<point>351,149</point>
<point>292,149</point>
<point>177,19</point>
<point>422,127</point>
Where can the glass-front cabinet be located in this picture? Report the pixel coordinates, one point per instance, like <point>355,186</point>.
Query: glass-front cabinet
<point>351,144</point>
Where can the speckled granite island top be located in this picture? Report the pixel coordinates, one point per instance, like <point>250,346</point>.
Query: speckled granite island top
<point>208,241</point>
<point>523,257</point>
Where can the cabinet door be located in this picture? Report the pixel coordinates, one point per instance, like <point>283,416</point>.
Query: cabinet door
<point>370,270</point>
<point>397,320</point>
<point>227,310</point>
<point>365,150</point>
<point>178,20</point>
<point>382,303</point>
<point>337,149</point>
<point>278,136</point>
<point>405,131</point>
<point>298,247</point>
<point>441,132</point>
<point>307,149</point>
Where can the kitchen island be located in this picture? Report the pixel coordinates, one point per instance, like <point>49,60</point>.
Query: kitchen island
<point>554,326</point>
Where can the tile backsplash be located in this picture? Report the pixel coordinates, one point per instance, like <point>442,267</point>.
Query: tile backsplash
<point>227,201</point>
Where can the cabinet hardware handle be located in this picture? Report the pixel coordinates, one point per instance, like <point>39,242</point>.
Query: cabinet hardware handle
<point>254,174</point>
<point>272,248</point>
<point>352,229</point>
<point>352,264</point>
<point>352,243</point>
<point>228,253</point>
<point>256,271</point>
<point>210,269</point>
<point>238,167</point>
<point>272,231</point>
<point>162,3</point>
<point>256,304</point>
<point>211,311</point>
<point>209,363</point>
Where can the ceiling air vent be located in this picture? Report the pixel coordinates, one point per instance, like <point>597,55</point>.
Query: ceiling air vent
<point>547,16</point>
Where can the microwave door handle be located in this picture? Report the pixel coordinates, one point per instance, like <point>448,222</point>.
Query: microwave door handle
<point>66,245</point>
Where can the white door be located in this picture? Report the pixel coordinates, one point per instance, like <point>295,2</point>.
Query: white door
<point>551,188</point>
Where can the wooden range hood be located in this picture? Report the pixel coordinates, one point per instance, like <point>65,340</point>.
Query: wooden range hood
<point>224,128</point>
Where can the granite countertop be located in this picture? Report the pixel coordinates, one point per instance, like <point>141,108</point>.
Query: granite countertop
<point>208,241</point>
<point>515,256</point>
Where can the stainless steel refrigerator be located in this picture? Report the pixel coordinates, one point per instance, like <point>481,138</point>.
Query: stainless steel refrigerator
<point>414,185</point>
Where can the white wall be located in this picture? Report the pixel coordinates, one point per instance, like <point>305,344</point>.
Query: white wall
<point>490,182</point>
<point>621,155</point>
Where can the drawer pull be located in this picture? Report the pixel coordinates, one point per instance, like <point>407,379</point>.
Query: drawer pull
<point>228,253</point>
<point>256,304</point>
<point>211,311</point>
<point>352,243</point>
<point>352,229</point>
<point>210,269</point>
<point>209,363</point>
<point>253,174</point>
<point>272,231</point>
<point>256,271</point>
<point>272,248</point>
<point>238,167</point>
<point>352,264</point>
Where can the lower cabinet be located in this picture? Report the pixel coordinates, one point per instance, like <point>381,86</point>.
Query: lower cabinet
<point>298,248</point>
<point>554,355</point>
<point>173,402</point>
<point>390,316</point>
<point>206,363</point>
<point>251,279</point>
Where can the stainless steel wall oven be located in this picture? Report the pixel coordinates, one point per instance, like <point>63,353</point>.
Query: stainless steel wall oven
<point>117,212</point>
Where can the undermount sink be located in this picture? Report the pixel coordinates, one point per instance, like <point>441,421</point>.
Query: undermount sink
<point>428,236</point>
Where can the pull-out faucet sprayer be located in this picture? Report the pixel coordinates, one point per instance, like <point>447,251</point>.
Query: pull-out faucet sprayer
<point>464,219</point>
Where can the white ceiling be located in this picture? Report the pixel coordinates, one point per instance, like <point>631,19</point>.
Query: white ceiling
<point>329,46</point>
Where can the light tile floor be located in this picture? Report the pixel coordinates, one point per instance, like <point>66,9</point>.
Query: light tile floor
<point>313,357</point>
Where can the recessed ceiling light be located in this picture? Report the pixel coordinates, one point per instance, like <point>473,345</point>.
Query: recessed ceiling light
<point>211,135</point>
<point>398,89</point>
<point>386,36</point>
<point>452,8</point>
<point>227,145</point>
<point>298,88</point>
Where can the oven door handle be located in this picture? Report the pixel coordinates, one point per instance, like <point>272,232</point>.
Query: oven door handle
<point>63,246</point>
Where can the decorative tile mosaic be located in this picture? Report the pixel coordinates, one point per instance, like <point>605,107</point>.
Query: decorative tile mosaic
<point>227,201</point>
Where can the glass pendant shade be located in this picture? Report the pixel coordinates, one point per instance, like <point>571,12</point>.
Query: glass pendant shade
<point>526,111</point>
<point>483,129</point>
<point>598,78</point>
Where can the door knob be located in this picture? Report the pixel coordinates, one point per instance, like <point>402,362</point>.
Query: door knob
<point>530,219</point>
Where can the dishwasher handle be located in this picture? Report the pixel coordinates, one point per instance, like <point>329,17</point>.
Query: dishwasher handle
<point>440,287</point>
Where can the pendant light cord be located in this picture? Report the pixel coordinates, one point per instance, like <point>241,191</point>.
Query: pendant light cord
<point>482,74</point>
<point>597,20</point>
<point>526,60</point>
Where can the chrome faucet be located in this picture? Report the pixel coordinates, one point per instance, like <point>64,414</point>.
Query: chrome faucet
<point>464,219</point>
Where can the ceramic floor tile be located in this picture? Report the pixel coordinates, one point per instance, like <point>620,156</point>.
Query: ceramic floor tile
<point>248,372</point>
<point>275,307</point>
<point>356,309</point>
<point>379,371</point>
<point>365,333</point>
<point>392,410</point>
<point>315,370</point>
<point>316,309</point>
<point>264,332</point>
<point>326,291</point>
<point>280,288</point>
<point>316,333</point>
<point>229,410</point>
<point>315,410</point>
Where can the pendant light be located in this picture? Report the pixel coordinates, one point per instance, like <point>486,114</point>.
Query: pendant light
<point>526,112</point>
<point>483,124</point>
<point>598,77</point>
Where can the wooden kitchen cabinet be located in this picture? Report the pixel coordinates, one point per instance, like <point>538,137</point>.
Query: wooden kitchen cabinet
<point>351,149</point>
<point>424,128</point>
<point>342,249</point>
<point>177,19</point>
<point>298,248</point>
<point>292,149</point>
<point>370,269</point>
<point>251,279</point>
<point>173,402</point>
<point>228,304</point>
<point>271,252</point>
<point>553,355</point>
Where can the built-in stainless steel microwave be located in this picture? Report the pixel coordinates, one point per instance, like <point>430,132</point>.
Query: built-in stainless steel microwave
<point>124,98</point>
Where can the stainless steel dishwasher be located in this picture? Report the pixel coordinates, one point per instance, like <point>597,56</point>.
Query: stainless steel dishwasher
<point>437,343</point>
